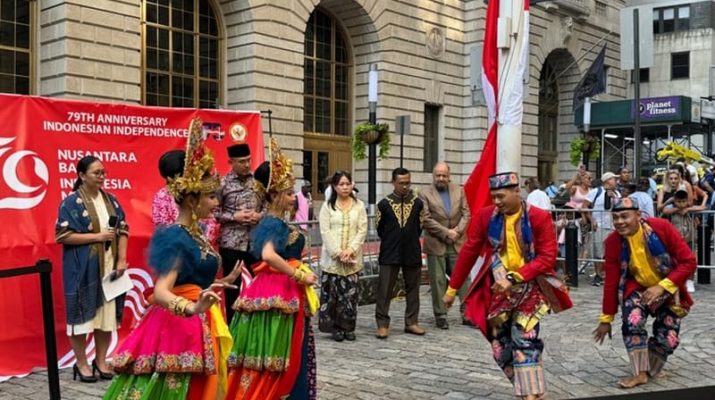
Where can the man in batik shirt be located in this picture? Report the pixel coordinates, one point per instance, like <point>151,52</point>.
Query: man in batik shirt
<point>238,212</point>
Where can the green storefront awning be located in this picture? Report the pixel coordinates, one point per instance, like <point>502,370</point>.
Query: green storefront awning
<point>654,111</point>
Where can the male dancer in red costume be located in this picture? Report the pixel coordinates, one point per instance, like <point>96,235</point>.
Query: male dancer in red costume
<point>515,286</point>
<point>647,265</point>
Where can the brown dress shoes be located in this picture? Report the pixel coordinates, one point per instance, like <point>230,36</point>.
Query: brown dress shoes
<point>415,329</point>
<point>382,332</point>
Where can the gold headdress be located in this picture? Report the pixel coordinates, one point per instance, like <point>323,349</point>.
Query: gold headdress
<point>278,176</point>
<point>197,163</point>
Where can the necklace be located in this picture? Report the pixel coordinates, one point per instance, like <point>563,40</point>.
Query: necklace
<point>200,240</point>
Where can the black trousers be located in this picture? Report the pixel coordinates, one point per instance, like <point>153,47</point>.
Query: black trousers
<point>386,287</point>
<point>230,257</point>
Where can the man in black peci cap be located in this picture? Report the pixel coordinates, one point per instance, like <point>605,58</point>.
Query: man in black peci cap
<point>239,210</point>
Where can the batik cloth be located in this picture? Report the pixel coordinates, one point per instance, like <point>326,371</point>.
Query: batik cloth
<point>648,354</point>
<point>338,303</point>
<point>514,316</point>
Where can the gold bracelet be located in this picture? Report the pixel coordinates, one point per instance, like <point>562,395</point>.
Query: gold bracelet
<point>172,304</point>
<point>183,305</point>
<point>451,292</point>
<point>299,275</point>
<point>177,306</point>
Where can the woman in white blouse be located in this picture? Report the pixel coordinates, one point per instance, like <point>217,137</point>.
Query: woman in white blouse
<point>343,227</point>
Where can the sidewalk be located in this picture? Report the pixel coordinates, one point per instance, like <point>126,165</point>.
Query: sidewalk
<point>457,363</point>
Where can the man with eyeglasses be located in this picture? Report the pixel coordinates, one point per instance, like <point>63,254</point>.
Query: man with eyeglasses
<point>239,210</point>
<point>447,216</point>
<point>399,225</point>
<point>599,200</point>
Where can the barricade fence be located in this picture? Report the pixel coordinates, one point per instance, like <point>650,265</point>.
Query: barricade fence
<point>44,269</point>
<point>314,246</point>
<point>704,230</point>
<point>580,254</point>
<point>588,249</point>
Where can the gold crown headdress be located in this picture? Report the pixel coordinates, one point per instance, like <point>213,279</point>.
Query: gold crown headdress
<point>280,176</point>
<point>198,162</point>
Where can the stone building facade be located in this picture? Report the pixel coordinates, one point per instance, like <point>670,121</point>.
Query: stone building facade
<point>683,53</point>
<point>308,61</point>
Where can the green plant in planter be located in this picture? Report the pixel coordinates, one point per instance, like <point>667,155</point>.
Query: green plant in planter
<point>366,133</point>
<point>581,145</point>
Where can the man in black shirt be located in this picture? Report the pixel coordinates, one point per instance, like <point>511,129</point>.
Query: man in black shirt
<point>399,224</point>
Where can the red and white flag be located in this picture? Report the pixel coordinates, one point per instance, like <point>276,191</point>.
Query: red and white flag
<point>246,277</point>
<point>476,188</point>
<point>511,79</point>
<point>504,95</point>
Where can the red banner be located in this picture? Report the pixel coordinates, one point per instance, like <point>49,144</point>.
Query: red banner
<point>41,141</point>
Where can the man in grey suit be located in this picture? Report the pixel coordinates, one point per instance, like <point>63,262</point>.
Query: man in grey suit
<point>446,220</point>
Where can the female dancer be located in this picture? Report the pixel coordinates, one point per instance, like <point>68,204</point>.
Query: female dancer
<point>179,349</point>
<point>273,356</point>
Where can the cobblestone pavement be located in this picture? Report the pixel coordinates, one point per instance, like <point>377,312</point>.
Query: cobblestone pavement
<point>457,363</point>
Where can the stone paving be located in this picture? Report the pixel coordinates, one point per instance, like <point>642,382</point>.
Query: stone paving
<point>457,364</point>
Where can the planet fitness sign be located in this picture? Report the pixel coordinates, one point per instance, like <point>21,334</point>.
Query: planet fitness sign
<point>658,108</point>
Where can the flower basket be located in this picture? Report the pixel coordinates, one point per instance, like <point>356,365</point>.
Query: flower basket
<point>580,146</point>
<point>366,134</point>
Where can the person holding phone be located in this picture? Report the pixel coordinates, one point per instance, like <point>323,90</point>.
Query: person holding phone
<point>343,228</point>
<point>93,232</point>
<point>180,347</point>
<point>599,199</point>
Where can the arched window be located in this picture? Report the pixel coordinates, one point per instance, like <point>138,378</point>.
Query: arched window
<point>326,101</point>
<point>326,73</point>
<point>548,122</point>
<point>181,54</point>
<point>16,55</point>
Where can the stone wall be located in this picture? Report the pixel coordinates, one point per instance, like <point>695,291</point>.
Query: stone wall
<point>92,50</point>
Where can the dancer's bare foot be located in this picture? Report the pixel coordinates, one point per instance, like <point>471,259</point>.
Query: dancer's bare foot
<point>533,397</point>
<point>660,375</point>
<point>633,381</point>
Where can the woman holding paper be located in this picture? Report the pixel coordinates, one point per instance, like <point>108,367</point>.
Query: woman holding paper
<point>179,348</point>
<point>92,229</point>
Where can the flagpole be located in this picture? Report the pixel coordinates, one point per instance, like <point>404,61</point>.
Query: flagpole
<point>563,71</point>
<point>637,98</point>
<point>513,61</point>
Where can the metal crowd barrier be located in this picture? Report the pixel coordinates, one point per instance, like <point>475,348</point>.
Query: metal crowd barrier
<point>44,268</point>
<point>576,257</point>
<point>314,243</point>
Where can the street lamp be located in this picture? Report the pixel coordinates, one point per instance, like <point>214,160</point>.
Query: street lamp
<point>372,117</point>
<point>586,128</point>
<point>586,114</point>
